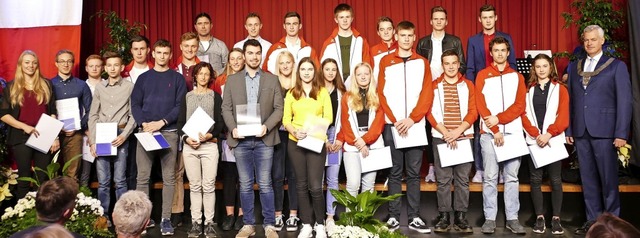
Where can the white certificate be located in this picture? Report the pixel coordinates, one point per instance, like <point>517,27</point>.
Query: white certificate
<point>86,150</point>
<point>69,113</point>
<point>416,136</point>
<point>152,141</point>
<point>378,159</point>
<point>248,119</point>
<point>462,154</point>
<point>514,146</point>
<point>105,134</point>
<point>311,143</point>
<point>199,122</point>
<point>554,151</point>
<point>316,129</point>
<point>48,128</point>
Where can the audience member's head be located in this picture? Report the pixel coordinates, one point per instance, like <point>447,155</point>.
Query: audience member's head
<point>56,199</point>
<point>610,226</point>
<point>51,231</point>
<point>131,214</point>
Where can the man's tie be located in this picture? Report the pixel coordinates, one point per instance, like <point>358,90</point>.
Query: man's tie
<point>589,68</point>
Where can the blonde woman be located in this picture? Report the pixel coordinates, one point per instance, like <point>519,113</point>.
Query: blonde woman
<point>362,122</point>
<point>26,98</point>
<point>281,163</point>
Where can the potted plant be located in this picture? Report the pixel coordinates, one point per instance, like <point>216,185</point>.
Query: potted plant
<point>595,12</point>
<point>358,221</point>
<point>120,32</point>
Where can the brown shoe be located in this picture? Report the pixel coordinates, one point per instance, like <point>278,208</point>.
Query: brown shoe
<point>246,231</point>
<point>270,232</point>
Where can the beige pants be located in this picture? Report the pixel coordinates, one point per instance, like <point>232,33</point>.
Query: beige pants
<point>71,148</point>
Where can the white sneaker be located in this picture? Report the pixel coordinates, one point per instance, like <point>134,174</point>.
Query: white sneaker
<point>478,177</point>
<point>320,231</point>
<point>306,231</point>
<point>431,176</point>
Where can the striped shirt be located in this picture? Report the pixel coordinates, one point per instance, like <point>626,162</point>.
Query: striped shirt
<point>452,117</point>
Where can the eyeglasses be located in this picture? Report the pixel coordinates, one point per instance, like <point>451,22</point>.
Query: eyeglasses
<point>65,62</point>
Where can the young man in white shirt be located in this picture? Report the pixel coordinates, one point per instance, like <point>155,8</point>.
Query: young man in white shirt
<point>253,25</point>
<point>292,42</point>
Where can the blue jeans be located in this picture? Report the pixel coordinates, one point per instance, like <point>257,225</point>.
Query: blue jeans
<point>103,168</point>
<point>490,183</point>
<point>253,156</point>
<point>281,168</point>
<point>332,175</point>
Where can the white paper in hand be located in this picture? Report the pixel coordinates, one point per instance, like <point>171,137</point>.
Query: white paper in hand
<point>378,159</point>
<point>199,122</point>
<point>48,128</point>
<point>554,151</point>
<point>105,134</point>
<point>462,154</point>
<point>69,113</point>
<point>514,146</point>
<point>416,136</point>
<point>151,142</point>
<point>316,129</point>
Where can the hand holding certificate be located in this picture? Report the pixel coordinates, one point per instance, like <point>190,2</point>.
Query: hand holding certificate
<point>460,155</point>
<point>316,129</point>
<point>69,113</point>
<point>152,141</point>
<point>552,152</point>
<point>513,146</point>
<point>415,136</point>
<point>105,134</point>
<point>199,123</point>
<point>249,120</point>
<point>48,129</point>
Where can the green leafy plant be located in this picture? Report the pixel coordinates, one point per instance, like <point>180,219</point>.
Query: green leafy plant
<point>596,12</point>
<point>361,209</point>
<point>51,170</point>
<point>120,32</point>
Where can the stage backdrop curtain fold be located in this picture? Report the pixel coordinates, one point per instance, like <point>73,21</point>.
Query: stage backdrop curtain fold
<point>634,54</point>
<point>44,27</point>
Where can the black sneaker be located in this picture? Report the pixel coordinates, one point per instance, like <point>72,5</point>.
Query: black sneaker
<point>151,224</point>
<point>239,223</point>
<point>418,225</point>
<point>292,223</point>
<point>443,222</point>
<point>227,223</point>
<point>585,228</point>
<point>393,224</point>
<point>539,226</point>
<point>196,230</point>
<point>279,223</point>
<point>210,231</point>
<point>176,219</point>
<point>556,227</point>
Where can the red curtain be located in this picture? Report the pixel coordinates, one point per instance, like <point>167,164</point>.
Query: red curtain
<point>532,24</point>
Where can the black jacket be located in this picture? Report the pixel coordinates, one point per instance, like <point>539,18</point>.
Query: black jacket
<point>450,42</point>
<point>15,135</point>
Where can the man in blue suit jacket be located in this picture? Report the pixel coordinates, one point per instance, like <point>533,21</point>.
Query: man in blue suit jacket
<point>600,119</point>
<point>478,58</point>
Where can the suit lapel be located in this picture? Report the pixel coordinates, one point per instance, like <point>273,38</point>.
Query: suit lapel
<point>243,86</point>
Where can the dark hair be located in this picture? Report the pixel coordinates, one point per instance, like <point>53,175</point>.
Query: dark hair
<point>55,197</point>
<point>383,19</point>
<point>449,53</point>
<point>487,8</point>
<point>342,7</point>
<point>202,14</point>
<point>110,54</point>
<point>553,75</point>
<point>251,42</point>
<point>438,9</point>
<point>297,91</point>
<point>198,67</point>
<point>611,226</point>
<point>292,14</point>
<point>338,81</point>
<point>65,51</point>
<point>405,25</point>
<point>499,40</point>
<point>252,14</point>
<point>162,43</point>
<point>139,38</point>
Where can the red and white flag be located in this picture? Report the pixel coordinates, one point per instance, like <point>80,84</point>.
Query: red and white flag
<point>44,27</point>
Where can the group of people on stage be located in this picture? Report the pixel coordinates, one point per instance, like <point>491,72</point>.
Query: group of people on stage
<point>370,97</point>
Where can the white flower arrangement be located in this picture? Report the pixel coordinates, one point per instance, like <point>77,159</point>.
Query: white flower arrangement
<point>350,232</point>
<point>84,205</point>
<point>25,204</point>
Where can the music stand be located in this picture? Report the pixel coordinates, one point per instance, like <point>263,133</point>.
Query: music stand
<point>523,66</point>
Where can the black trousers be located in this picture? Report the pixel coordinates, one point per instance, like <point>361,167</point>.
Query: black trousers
<point>25,155</point>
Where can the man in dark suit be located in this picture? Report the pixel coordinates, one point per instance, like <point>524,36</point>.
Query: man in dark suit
<point>253,86</point>
<point>600,119</point>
